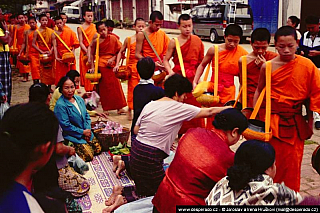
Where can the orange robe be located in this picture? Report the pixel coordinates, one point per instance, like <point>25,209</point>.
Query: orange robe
<point>134,78</point>
<point>47,75</point>
<point>90,31</point>
<point>111,94</point>
<point>20,38</point>
<point>160,42</point>
<point>114,35</point>
<point>253,73</point>
<point>291,85</point>
<point>71,40</point>
<point>34,58</point>
<point>192,53</point>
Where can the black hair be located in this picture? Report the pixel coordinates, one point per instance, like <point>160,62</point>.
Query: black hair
<point>138,19</point>
<point>42,15</point>
<point>252,158</point>
<point>63,14</point>
<point>285,31</point>
<point>85,11</point>
<point>109,23</point>
<point>234,30</point>
<point>295,20</point>
<point>184,17</point>
<point>176,84</point>
<point>260,34</point>
<point>229,119</point>
<point>72,74</point>
<point>62,81</point>
<point>32,18</point>
<point>156,15</point>
<point>58,18</point>
<point>22,129</point>
<point>38,93</point>
<point>98,24</point>
<point>312,20</point>
<point>145,67</point>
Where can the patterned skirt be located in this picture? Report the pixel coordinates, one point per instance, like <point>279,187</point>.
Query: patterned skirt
<point>87,150</point>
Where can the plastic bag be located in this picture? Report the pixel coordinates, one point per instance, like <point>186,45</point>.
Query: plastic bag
<point>3,108</point>
<point>78,164</point>
<point>93,101</point>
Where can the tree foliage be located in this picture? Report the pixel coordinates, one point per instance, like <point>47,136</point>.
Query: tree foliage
<point>14,6</point>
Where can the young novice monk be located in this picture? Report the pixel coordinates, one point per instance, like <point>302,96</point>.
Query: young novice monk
<point>33,54</point>
<point>85,34</point>
<point>260,40</point>
<point>192,51</point>
<point>229,55</point>
<point>294,80</point>
<point>111,94</point>
<point>42,43</point>
<point>139,25</point>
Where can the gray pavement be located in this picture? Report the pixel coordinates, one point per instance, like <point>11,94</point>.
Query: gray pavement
<point>310,180</point>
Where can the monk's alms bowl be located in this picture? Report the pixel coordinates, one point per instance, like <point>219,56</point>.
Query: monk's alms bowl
<point>231,103</point>
<point>256,131</point>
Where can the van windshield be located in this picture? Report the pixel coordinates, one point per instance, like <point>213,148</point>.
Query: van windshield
<point>73,11</point>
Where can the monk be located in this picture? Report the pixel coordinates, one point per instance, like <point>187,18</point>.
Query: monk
<point>70,39</point>
<point>158,38</point>
<point>64,19</point>
<point>43,44</point>
<point>260,40</point>
<point>229,55</point>
<point>110,27</point>
<point>192,50</point>
<point>110,90</point>
<point>294,80</point>
<point>33,54</point>
<point>24,70</point>
<point>12,30</point>
<point>85,34</point>
<point>134,79</point>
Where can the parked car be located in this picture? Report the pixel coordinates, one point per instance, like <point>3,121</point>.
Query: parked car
<point>210,20</point>
<point>73,13</point>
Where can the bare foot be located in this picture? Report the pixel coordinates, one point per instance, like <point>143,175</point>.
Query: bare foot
<point>119,201</point>
<point>121,112</point>
<point>116,190</point>
<point>115,160</point>
<point>129,115</point>
<point>121,167</point>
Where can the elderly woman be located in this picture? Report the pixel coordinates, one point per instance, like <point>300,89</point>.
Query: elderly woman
<point>75,121</point>
<point>203,156</point>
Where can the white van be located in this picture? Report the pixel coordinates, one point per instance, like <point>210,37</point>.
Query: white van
<point>73,13</point>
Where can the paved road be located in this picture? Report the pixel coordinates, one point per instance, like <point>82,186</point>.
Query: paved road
<point>310,180</point>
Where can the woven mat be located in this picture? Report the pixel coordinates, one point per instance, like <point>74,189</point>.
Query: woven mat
<point>101,179</point>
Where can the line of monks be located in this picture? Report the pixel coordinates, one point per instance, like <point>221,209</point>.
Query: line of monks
<point>295,79</point>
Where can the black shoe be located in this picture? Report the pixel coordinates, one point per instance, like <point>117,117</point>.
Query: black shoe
<point>317,125</point>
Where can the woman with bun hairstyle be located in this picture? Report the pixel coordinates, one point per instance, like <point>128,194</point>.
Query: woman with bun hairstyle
<point>202,159</point>
<point>28,135</point>
<point>250,180</point>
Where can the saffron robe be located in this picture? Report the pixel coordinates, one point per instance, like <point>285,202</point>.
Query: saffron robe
<point>202,159</point>
<point>114,35</point>
<point>71,40</point>
<point>110,90</point>
<point>160,42</point>
<point>134,78</point>
<point>34,57</point>
<point>228,69</point>
<point>291,85</point>
<point>47,75</point>
<point>253,73</point>
<point>20,38</point>
<point>192,53</point>
<point>90,31</point>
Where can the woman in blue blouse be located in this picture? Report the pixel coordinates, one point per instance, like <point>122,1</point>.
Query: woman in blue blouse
<point>75,121</point>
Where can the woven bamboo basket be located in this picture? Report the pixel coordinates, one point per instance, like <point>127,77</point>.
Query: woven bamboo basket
<point>108,140</point>
<point>68,57</point>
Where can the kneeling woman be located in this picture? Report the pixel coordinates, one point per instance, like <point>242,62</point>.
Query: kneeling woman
<point>75,121</point>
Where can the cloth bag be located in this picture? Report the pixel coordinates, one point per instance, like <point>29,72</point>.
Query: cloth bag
<point>3,108</point>
<point>78,164</point>
<point>92,102</point>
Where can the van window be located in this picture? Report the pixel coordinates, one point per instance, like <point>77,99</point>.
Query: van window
<point>203,12</point>
<point>216,11</point>
<point>73,11</point>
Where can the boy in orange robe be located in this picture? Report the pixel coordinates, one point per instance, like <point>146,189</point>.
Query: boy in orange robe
<point>134,78</point>
<point>110,26</point>
<point>21,28</point>
<point>229,55</point>
<point>110,90</point>
<point>90,30</point>
<point>46,71</point>
<point>192,51</point>
<point>294,80</point>
<point>71,40</point>
<point>260,40</point>
<point>158,38</point>
<point>33,54</point>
